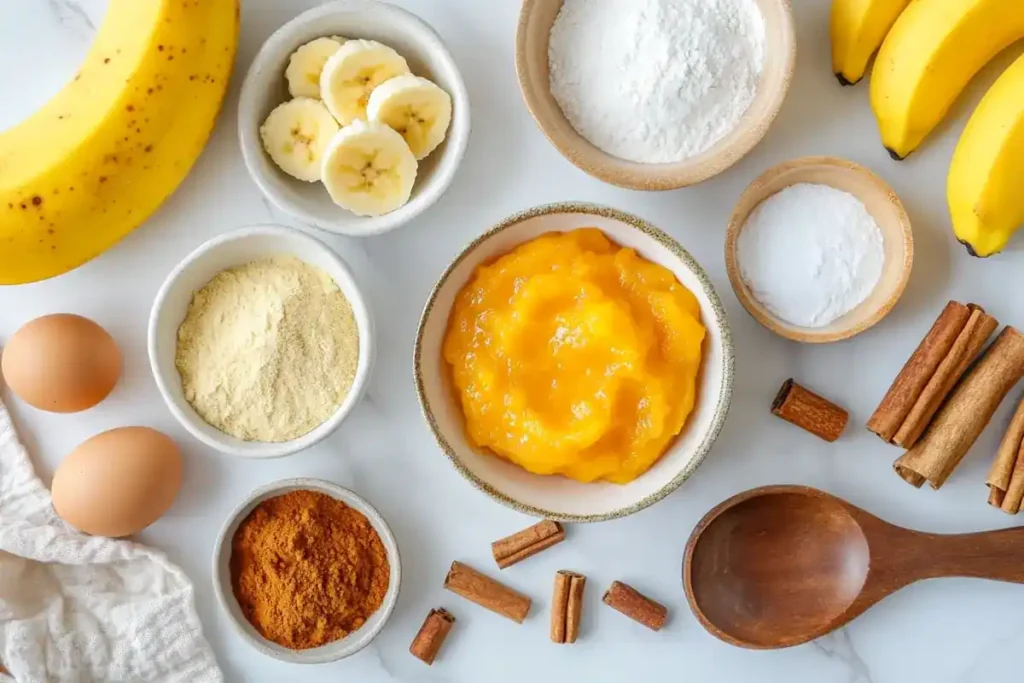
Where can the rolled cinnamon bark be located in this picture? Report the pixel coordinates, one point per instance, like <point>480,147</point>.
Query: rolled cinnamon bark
<point>1004,492</point>
<point>1015,492</point>
<point>965,415</point>
<point>567,606</point>
<point>431,636</point>
<point>527,543</point>
<point>968,345</point>
<point>636,605</point>
<point>807,410</point>
<point>469,583</point>
<point>942,357</point>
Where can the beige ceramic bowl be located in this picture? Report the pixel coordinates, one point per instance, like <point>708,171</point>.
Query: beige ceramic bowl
<point>556,497</point>
<point>881,202</point>
<point>535,21</point>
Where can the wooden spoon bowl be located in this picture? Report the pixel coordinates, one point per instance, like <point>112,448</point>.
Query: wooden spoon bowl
<point>827,563</point>
<point>781,565</point>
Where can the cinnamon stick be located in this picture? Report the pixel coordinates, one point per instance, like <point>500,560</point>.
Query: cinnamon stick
<point>1015,493</point>
<point>567,606</point>
<point>811,412</point>
<point>966,414</point>
<point>1006,478</point>
<point>943,356</point>
<point>965,350</point>
<point>636,606</point>
<point>527,543</point>
<point>469,583</point>
<point>431,635</point>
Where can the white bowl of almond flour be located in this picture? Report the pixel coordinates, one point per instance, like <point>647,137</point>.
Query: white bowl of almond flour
<point>655,94</point>
<point>261,342</point>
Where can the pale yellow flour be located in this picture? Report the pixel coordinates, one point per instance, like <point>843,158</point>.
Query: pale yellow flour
<point>268,350</point>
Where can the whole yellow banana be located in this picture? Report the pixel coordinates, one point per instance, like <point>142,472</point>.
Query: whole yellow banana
<point>932,52</point>
<point>986,180</point>
<point>858,28</point>
<point>109,148</point>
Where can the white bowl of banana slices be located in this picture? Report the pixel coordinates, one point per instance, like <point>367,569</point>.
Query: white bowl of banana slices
<point>353,117</point>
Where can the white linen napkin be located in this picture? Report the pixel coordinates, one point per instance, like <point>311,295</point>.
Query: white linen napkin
<point>76,608</point>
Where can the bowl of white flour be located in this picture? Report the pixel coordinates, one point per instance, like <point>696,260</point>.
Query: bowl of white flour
<point>655,94</point>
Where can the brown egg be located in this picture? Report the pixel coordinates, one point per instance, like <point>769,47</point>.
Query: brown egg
<point>62,363</point>
<point>118,482</point>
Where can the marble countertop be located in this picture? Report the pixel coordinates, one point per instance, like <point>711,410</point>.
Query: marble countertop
<point>940,631</point>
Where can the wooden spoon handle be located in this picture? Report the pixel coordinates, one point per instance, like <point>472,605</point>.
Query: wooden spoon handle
<point>997,555</point>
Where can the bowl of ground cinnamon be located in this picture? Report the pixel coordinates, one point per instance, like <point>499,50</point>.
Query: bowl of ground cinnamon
<point>307,571</point>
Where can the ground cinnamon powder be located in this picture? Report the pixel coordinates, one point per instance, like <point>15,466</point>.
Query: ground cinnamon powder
<point>307,569</point>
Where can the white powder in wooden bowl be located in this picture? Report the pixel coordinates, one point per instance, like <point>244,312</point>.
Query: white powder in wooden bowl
<point>811,254</point>
<point>268,350</point>
<point>656,81</point>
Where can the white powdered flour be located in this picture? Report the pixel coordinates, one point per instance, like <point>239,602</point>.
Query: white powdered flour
<point>656,81</point>
<point>810,254</point>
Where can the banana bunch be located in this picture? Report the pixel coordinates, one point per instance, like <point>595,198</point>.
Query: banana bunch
<point>986,179</point>
<point>359,122</point>
<point>115,142</point>
<point>930,51</point>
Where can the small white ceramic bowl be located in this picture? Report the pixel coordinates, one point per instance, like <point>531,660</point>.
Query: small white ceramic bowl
<point>235,249</point>
<point>557,497</point>
<point>264,88</point>
<point>331,652</point>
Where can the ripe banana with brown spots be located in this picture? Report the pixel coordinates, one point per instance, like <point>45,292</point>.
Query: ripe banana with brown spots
<point>116,141</point>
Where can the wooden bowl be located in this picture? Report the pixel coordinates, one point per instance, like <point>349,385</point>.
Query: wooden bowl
<point>535,21</point>
<point>883,205</point>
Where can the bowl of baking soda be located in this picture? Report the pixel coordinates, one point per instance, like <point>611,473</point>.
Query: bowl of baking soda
<point>819,249</point>
<point>655,94</point>
<point>261,342</point>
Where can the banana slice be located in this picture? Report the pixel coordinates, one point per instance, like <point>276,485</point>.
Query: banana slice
<point>416,108</point>
<point>351,74</point>
<point>296,134</point>
<point>369,169</point>
<point>307,63</point>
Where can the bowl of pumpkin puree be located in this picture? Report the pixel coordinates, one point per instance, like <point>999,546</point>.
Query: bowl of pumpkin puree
<point>574,362</point>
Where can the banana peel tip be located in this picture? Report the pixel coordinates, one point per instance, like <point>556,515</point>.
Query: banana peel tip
<point>970,249</point>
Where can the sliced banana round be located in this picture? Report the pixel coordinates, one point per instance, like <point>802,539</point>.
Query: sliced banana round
<point>307,63</point>
<point>417,108</point>
<point>351,74</point>
<point>369,169</point>
<point>296,135</point>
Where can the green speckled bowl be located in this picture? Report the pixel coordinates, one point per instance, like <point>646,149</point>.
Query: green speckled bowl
<point>556,497</point>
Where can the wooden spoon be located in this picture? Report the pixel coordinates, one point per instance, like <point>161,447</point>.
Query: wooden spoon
<point>781,565</point>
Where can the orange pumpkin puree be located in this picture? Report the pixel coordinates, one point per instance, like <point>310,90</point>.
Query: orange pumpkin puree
<point>572,355</point>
